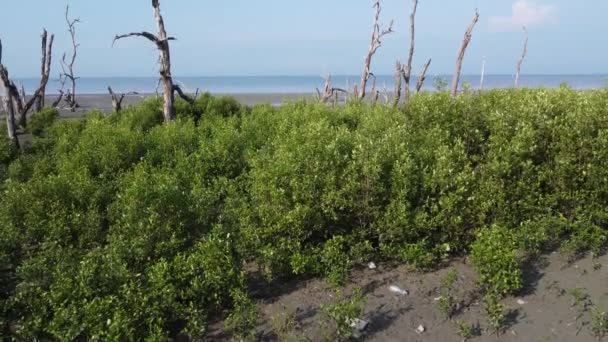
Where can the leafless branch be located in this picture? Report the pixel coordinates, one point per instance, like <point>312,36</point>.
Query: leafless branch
<point>523,56</point>
<point>19,103</point>
<point>162,43</point>
<point>422,76</point>
<point>329,92</point>
<point>58,100</point>
<point>375,44</point>
<point>116,100</point>
<point>68,65</point>
<point>408,67</point>
<point>465,44</point>
<point>183,95</point>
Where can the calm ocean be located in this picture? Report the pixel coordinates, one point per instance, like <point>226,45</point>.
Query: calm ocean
<point>300,84</point>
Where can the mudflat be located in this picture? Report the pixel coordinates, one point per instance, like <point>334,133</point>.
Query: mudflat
<point>103,102</point>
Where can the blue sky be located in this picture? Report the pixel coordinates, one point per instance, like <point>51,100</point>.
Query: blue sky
<point>308,37</point>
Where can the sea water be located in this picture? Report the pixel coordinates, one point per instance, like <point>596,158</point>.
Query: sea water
<point>302,84</point>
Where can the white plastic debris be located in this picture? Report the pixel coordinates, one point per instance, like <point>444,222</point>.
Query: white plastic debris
<point>371,265</point>
<point>521,302</point>
<point>437,298</point>
<point>358,326</point>
<point>396,289</point>
<point>420,329</point>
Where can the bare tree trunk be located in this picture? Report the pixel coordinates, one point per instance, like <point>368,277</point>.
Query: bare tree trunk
<point>408,67</point>
<point>483,74</point>
<point>38,97</point>
<point>422,76</point>
<point>40,100</point>
<point>375,43</point>
<point>11,125</point>
<point>116,100</point>
<point>8,102</point>
<point>463,48</point>
<point>68,66</point>
<point>162,43</point>
<point>523,56</point>
<point>398,71</point>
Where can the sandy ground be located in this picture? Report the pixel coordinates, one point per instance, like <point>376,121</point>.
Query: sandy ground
<point>544,311</point>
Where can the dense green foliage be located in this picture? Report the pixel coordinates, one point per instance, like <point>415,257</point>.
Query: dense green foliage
<point>121,227</point>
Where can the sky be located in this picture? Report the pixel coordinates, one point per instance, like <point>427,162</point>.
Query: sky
<point>308,37</point>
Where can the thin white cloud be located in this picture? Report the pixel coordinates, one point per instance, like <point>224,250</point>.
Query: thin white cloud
<point>524,13</point>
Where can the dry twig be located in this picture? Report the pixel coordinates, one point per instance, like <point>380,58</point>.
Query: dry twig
<point>375,43</point>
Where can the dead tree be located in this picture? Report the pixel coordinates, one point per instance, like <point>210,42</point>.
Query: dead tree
<point>422,76</point>
<point>408,67</point>
<point>329,92</point>
<point>45,70</point>
<point>398,72</point>
<point>375,43</point>
<point>162,43</point>
<point>9,89</point>
<point>463,48</point>
<point>17,98</point>
<point>483,74</point>
<point>116,100</point>
<point>523,56</point>
<point>68,66</point>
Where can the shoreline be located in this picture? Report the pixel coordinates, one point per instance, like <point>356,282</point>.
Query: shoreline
<point>103,102</point>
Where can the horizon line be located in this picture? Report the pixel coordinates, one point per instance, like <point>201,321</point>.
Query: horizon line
<point>320,76</point>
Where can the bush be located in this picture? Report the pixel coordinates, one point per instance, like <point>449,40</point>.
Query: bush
<point>42,120</point>
<point>495,259</point>
<point>121,227</point>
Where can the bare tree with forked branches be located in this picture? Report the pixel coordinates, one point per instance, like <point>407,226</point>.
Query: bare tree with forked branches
<point>161,40</point>
<point>375,42</point>
<point>329,92</point>
<point>18,104</point>
<point>67,65</point>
